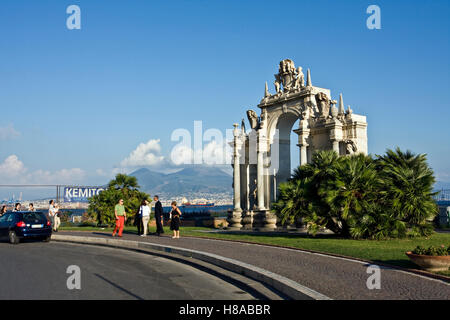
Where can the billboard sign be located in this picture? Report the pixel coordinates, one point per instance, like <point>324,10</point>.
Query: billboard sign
<point>80,194</point>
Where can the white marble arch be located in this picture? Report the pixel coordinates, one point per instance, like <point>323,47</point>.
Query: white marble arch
<point>322,126</point>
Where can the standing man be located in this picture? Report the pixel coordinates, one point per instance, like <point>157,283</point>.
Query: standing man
<point>138,220</point>
<point>53,213</point>
<point>158,216</point>
<point>121,216</point>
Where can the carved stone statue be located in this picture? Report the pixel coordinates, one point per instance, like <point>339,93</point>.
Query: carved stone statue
<point>300,77</point>
<point>253,119</point>
<point>286,66</point>
<point>255,195</point>
<point>323,103</point>
<point>350,147</point>
<point>297,84</point>
<point>348,113</point>
<point>290,77</point>
<point>263,119</point>
<point>277,83</point>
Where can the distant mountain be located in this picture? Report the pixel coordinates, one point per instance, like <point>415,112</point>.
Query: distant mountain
<point>186,181</point>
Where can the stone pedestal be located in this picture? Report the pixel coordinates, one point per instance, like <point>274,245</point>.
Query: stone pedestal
<point>234,220</point>
<point>264,220</point>
<point>247,220</point>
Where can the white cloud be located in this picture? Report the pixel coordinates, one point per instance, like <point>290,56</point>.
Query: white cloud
<point>216,152</point>
<point>13,171</point>
<point>8,132</point>
<point>101,172</point>
<point>213,153</point>
<point>12,167</point>
<point>182,155</point>
<point>146,154</point>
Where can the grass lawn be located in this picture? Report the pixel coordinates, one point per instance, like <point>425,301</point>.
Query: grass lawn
<point>386,251</point>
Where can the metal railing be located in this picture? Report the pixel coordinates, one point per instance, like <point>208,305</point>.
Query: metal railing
<point>59,188</point>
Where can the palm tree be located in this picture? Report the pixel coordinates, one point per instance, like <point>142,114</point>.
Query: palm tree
<point>123,181</point>
<point>352,193</point>
<point>300,196</point>
<point>408,182</point>
<point>101,206</point>
<point>359,197</point>
<point>292,202</point>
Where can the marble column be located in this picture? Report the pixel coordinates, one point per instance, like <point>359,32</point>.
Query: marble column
<point>235,217</point>
<point>260,174</point>
<point>303,154</point>
<point>303,134</point>
<point>263,219</point>
<point>336,146</point>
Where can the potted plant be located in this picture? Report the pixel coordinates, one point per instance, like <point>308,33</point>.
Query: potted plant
<point>432,258</point>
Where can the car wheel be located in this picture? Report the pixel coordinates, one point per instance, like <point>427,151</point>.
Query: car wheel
<point>13,238</point>
<point>47,239</point>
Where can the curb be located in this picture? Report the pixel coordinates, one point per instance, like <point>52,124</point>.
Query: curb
<point>418,272</point>
<point>284,285</point>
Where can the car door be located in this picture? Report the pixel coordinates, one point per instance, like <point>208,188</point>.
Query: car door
<point>4,224</point>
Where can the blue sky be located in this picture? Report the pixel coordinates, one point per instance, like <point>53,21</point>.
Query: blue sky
<point>76,103</point>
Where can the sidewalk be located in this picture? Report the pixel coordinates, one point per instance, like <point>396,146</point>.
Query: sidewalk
<point>336,278</point>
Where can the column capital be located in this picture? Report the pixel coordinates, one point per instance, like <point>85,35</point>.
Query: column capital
<point>236,130</point>
<point>302,144</point>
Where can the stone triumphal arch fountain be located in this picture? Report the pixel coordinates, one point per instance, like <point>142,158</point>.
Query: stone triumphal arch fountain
<point>261,156</point>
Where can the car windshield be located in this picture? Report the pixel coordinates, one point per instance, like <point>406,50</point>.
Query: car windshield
<point>33,217</point>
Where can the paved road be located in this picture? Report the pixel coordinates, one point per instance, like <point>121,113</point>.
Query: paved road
<point>334,277</point>
<point>36,270</point>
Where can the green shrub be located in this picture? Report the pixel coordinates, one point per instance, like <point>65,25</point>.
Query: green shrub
<point>101,206</point>
<point>359,196</point>
<point>432,251</point>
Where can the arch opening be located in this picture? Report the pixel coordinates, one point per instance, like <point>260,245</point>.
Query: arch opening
<point>285,152</point>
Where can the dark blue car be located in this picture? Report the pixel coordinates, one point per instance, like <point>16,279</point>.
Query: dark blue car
<point>15,226</point>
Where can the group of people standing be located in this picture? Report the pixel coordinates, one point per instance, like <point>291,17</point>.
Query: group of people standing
<point>17,207</point>
<point>142,218</point>
<point>53,212</point>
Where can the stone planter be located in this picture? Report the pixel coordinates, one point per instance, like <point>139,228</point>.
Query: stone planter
<point>430,263</point>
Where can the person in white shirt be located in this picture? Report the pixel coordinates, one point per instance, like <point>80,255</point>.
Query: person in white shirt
<point>53,213</point>
<point>144,212</point>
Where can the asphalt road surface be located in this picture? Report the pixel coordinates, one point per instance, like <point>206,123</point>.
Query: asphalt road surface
<point>334,277</point>
<point>37,270</point>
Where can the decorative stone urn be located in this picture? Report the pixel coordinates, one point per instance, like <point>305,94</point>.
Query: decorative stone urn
<point>430,263</point>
